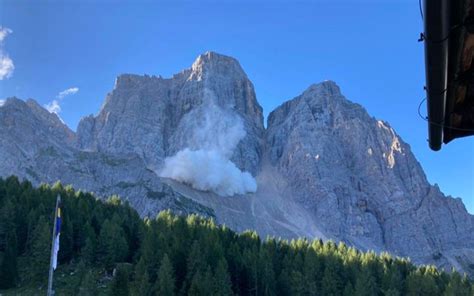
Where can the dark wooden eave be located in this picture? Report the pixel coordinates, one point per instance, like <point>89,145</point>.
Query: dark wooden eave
<point>460,96</point>
<point>449,54</point>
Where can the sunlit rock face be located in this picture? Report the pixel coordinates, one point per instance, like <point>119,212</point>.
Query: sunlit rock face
<point>361,181</point>
<point>322,168</point>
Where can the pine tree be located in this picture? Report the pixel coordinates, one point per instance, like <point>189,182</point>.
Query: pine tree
<point>349,290</point>
<point>7,223</point>
<point>234,259</point>
<point>165,284</point>
<point>456,286</point>
<point>88,252</point>
<point>393,281</point>
<point>208,281</point>
<point>120,282</point>
<point>250,262</point>
<point>40,250</point>
<point>150,251</point>
<point>297,283</point>
<point>195,263</point>
<point>222,283</point>
<point>142,285</point>
<point>66,242</point>
<point>202,283</point>
<point>284,283</point>
<point>365,284</point>
<point>196,287</point>
<point>112,244</point>
<point>8,266</point>
<point>267,274</point>
<point>331,283</point>
<point>421,284</point>
<point>311,272</point>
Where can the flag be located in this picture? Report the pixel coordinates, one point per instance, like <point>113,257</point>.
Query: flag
<point>57,233</point>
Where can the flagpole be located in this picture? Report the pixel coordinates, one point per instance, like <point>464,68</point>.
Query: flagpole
<point>50,279</point>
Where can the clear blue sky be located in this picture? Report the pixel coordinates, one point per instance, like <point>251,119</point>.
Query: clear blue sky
<point>369,48</point>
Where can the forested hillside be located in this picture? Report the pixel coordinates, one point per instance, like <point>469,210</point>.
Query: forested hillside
<point>107,249</point>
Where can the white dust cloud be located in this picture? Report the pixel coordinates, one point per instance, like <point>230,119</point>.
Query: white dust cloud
<point>208,170</point>
<point>210,134</point>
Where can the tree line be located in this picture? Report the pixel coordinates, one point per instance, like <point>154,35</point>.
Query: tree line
<point>188,255</point>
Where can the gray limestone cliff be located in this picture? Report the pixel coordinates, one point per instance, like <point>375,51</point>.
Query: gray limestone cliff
<point>323,166</point>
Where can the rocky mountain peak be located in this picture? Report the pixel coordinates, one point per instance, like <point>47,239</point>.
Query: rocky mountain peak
<point>131,81</point>
<point>50,118</point>
<point>321,101</point>
<point>327,94</point>
<point>13,102</point>
<point>16,112</point>
<point>214,64</point>
<point>325,88</point>
<point>27,130</point>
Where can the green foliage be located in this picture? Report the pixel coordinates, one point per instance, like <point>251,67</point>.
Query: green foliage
<point>8,266</point>
<point>458,286</point>
<point>142,285</point>
<point>332,282</point>
<point>173,255</point>
<point>365,284</point>
<point>40,250</point>
<point>88,281</point>
<point>112,244</point>
<point>120,285</point>
<point>222,282</point>
<point>165,284</point>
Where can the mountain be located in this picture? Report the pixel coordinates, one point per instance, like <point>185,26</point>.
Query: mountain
<point>346,166</point>
<point>196,143</point>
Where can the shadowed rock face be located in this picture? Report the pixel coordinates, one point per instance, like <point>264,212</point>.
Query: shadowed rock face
<point>323,166</point>
<point>27,131</point>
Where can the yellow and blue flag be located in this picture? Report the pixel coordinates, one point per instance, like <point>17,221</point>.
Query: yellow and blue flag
<point>57,233</point>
